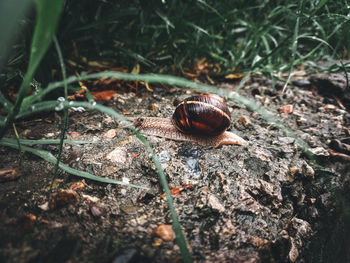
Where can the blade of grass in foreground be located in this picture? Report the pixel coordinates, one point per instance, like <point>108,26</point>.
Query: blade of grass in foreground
<point>47,156</point>
<point>48,13</point>
<point>65,111</point>
<point>53,141</point>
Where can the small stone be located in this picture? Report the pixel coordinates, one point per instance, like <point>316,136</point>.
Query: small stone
<point>293,253</point>
<point>164,156</point>
<point>96,211</point>
<point>287,109</point>
<point>245,121</point>
<point>259,242</point>
<point>44,206</point>
<point>110,134</point>
<point>330,107</point>
<point>165,232</point>
<point>214,203</point>
<point>294,170</point>
<point>319,151</point>
<point>157,242</point>
<point>130,210</point>
<point>111,170</point>
<point>73,134</point>
<point>118,155</point>
<point>301,83</point>
<point>90,198</point>
<point>194,166</point>
<point>308,171</point>
<point>286,140</point>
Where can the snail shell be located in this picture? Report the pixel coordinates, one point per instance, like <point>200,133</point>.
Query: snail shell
<point>202,114</point>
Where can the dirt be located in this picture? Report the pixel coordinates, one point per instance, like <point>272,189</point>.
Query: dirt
<point>266,202</point>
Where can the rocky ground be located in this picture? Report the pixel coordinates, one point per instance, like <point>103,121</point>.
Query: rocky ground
<point>265,202</point>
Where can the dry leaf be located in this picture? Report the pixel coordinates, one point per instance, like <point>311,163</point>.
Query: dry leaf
<point>78,186</point>
<point>234,76</point>
<point>62,198</point>
<point>176,190</point>
<point>103,95</point>
<point>9,174</point>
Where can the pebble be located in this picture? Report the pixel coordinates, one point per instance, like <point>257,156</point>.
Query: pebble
<point>301,83</point>
<point>164,156</point>
<point>288,109</point>
<point>110,134</point>
<point>118,155</point>
<point>194,166</point>
<point>165,232</point>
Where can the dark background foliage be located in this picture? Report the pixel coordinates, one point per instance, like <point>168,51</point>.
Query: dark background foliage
<point>169,36</point>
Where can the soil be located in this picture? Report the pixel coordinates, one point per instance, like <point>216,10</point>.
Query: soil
<point>265,202</point>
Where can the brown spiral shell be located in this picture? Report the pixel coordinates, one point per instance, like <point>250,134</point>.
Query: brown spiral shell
<point>203,114</point>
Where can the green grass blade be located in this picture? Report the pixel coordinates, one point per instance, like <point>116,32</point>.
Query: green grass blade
<point>318,7</point>
<point>47,156</point>
<point>8,106</point>
<point>39,107</point>
<point>65,111</point>
<point>53,141</point>
<point>48,13</point>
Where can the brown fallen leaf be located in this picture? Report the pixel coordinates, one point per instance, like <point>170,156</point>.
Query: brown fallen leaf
<point>78,186</point>
<point>234,76</point>
<point>176,190</point>
<point>62,198</point>
<point>103,95</point>
<point>165,232</point>
<point>9,174</point>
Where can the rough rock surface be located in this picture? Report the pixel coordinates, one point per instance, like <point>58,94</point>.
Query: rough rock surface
<point>265,202</point>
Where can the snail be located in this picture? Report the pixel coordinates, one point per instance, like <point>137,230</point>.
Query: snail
<point>202,119</point>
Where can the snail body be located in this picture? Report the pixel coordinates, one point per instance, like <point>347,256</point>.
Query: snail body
<point>202,119</point>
